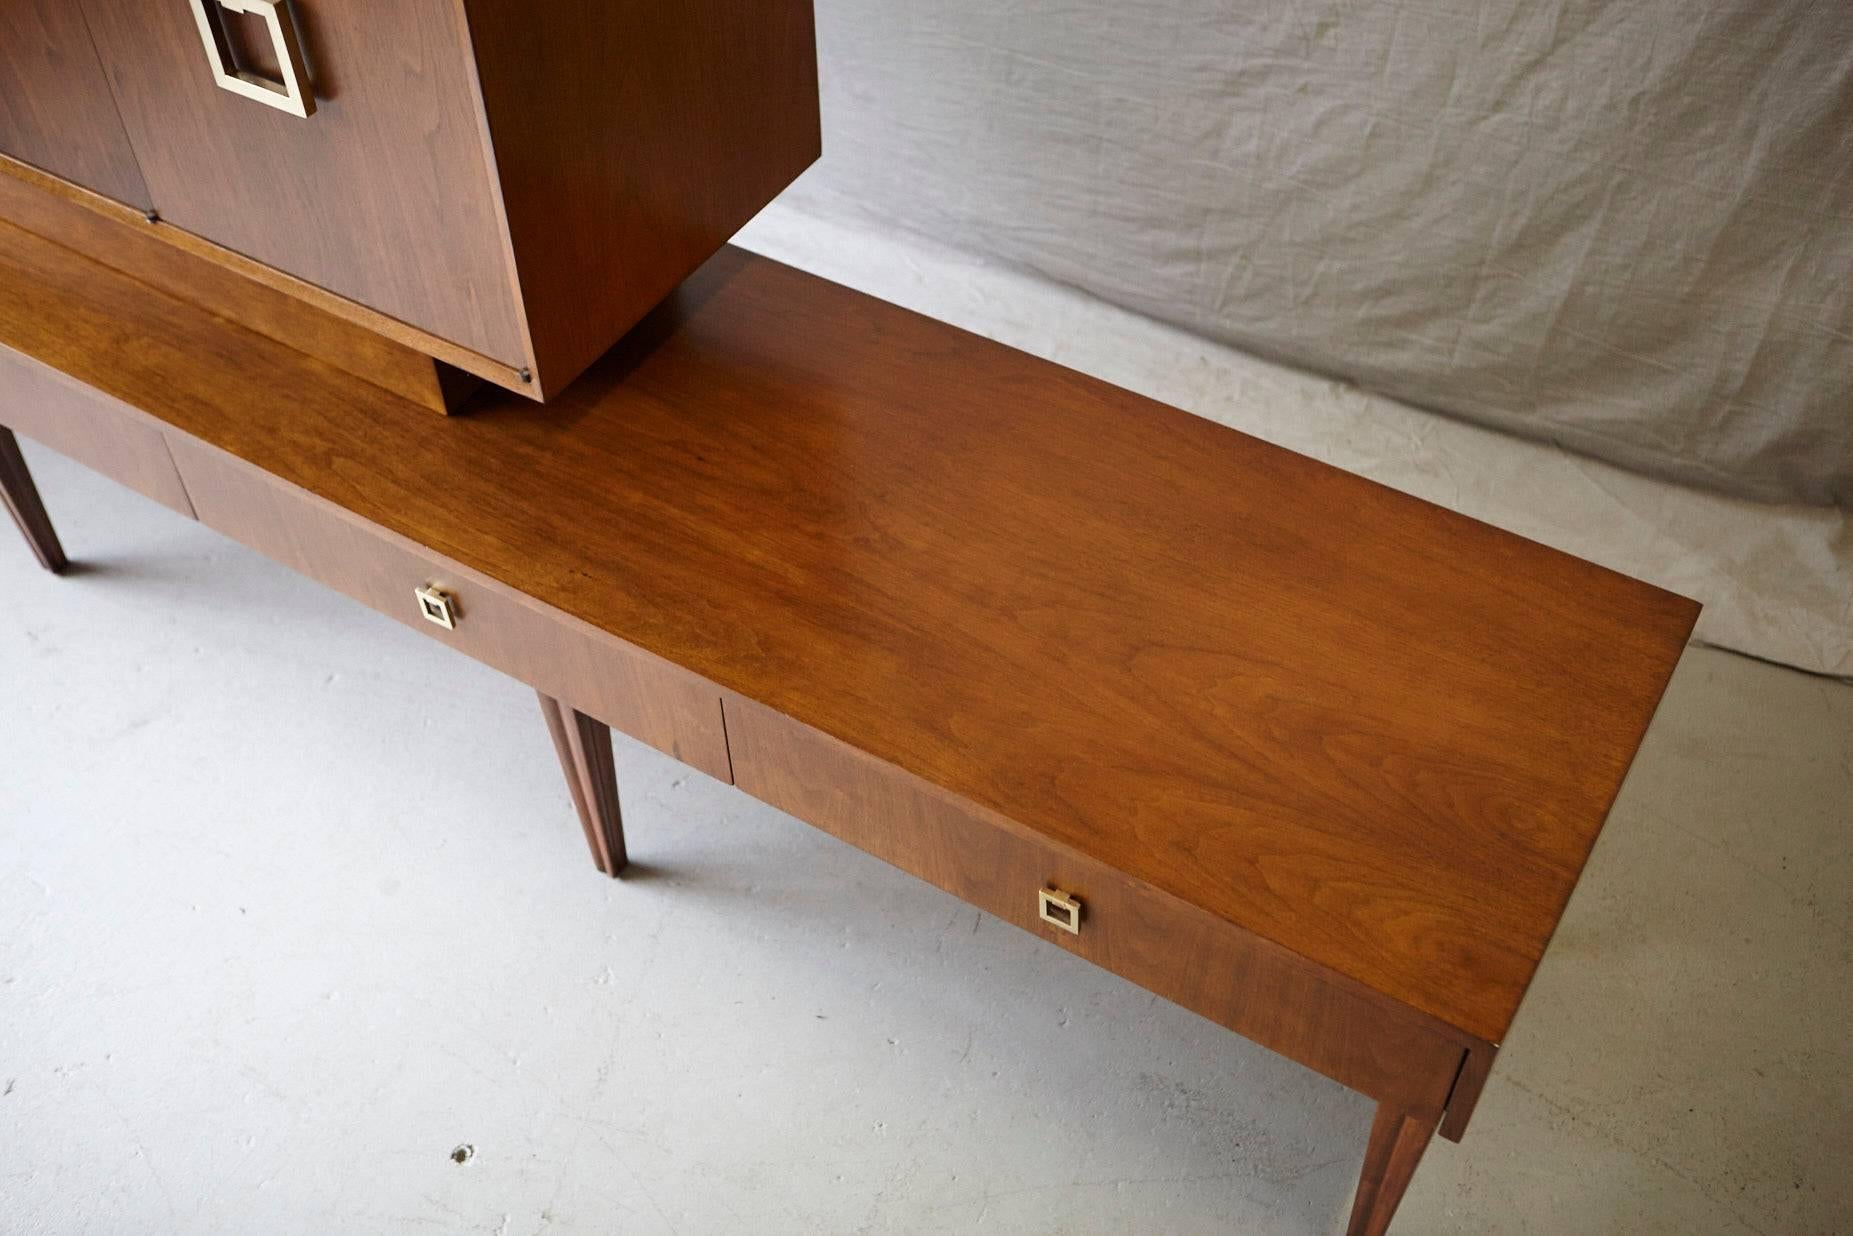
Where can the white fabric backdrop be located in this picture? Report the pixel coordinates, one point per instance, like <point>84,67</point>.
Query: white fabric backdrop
<point>1624,226</point>
<point>1777,581</point>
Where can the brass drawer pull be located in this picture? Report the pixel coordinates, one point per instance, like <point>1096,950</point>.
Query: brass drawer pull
<point>437,606</point>
<point>1056,907</point>
<point>292,94</point>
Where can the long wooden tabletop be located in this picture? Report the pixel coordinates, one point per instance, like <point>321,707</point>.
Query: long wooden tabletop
<point>1376,732</point>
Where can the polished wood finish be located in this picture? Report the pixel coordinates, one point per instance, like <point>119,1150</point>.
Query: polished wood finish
<point>506,186</point>
<point>56,111</point>
<point>234,288</point>
<point>95,430</point>
<point>383,196</point>
<point>584,748</point>
<point>1468,1087</point>
<point>626,163</point>
<point>22,501</point>
<point>350,311</point>
<point>637,693</point>
<point>1320,760</point>
<point>1192,958</point>
<point>1375,732</point>
<point>1397,1140</point>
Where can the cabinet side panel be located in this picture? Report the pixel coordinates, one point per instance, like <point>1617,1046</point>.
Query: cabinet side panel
<point>631,141</point>
<point>56,110</point>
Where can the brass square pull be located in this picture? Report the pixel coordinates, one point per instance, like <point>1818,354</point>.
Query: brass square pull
<point>437,606</point>
<point>293,93</point>
<point>1056,907</point>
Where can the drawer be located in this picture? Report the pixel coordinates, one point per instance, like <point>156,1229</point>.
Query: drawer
<point>1209,966</point>
<point>627,689</point>
<point>90,427</point>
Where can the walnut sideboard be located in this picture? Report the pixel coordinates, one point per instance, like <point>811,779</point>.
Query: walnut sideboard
<point>1313,758</point>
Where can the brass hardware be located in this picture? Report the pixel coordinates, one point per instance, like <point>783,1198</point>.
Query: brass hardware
<point>438,606</point>
<point>292,94</point>
<point>1056,907</point>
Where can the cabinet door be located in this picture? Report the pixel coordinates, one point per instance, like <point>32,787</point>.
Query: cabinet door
<point>56,112</point>
<point>383,195</point>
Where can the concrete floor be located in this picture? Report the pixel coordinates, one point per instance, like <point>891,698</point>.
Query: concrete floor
<point>293,906</point>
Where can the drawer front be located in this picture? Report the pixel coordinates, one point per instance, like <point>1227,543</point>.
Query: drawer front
<point>1208,966</point>
<point>383,195</point>
<point>628,690</point>
<point>56,110</point>
<point>90,427</point>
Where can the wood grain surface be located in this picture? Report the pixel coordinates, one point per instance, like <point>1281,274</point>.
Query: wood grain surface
<point>520,183</point>
<point>584,748</point>
<point>56,110</point>
<point>21,499</point>
<point>1377,733</point>
<point>587,670</point>
<point>383,196</point>
<point>83,424</point>
<point>630,141</point>
<point>1397,1140</point>
<point>1190,957</point>
<point>98,229</point>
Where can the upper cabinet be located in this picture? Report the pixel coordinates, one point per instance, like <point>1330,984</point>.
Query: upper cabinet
<point>516,182</point>
<point>55,108</point>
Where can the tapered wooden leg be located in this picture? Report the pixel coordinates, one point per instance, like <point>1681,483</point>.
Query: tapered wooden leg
<point>22,503</point>
<point>585,756</point>
<point>1397,1141</point>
